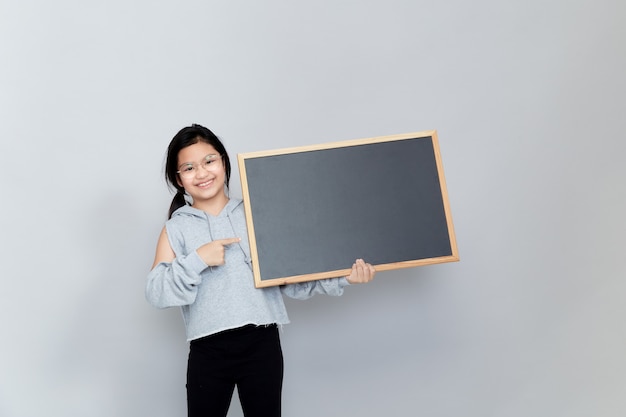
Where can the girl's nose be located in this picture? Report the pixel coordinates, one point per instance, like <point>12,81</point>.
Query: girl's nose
<point>201,172</point>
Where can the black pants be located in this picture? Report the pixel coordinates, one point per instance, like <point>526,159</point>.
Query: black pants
<point>249,357</point>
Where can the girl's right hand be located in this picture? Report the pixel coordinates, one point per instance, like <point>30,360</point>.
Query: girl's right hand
<point>213,252</point>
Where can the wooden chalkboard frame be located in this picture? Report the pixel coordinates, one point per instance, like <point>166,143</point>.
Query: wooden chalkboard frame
<point>248,183</point>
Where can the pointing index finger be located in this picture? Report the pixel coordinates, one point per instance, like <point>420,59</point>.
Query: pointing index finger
<point>229,241</point>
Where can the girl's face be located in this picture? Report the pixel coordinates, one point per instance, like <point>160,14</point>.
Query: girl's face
<point>201,173</point>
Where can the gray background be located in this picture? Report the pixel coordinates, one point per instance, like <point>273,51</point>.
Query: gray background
<point>528,101</point>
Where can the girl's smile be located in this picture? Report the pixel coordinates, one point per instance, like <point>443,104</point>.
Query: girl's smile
<point>205,184</point>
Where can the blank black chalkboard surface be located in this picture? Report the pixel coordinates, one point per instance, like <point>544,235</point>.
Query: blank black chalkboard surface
<point>311,211</point>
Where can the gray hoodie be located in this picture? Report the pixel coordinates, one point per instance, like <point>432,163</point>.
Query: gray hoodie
<point>223,297</point>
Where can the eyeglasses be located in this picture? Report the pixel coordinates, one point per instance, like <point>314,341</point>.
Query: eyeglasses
<point>189,170</point>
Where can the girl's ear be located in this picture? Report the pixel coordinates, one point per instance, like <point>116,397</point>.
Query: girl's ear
<point>180,184</point>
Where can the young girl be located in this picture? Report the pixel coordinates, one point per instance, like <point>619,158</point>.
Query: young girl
<point>203,265</point>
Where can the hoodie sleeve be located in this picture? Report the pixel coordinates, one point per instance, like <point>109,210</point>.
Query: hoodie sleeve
<point>305,290</point>
<point>175,283</point>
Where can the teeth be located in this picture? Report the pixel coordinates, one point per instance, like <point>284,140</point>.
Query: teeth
<point>204,184</point>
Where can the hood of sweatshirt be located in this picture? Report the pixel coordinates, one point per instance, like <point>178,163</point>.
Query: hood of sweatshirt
<point>230,207</point>
<point>196,227</point>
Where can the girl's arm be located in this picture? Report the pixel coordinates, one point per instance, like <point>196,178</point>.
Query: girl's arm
<point>173,280</point>
<point>362,272</point>
<point>164,252</point>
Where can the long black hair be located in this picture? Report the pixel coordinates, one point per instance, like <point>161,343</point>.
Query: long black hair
<point>185,137</point>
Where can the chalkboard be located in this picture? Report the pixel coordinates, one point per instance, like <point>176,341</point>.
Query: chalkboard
<point>311,211</point>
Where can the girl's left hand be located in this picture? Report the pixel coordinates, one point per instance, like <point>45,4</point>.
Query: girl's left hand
<point>361,272</point>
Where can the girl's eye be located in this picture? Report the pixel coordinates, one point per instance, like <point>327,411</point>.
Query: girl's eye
<point>210,160</point>
<point>187,168</point>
